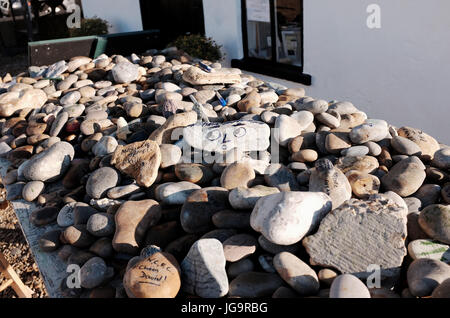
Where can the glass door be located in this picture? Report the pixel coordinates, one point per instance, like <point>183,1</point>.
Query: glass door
<point>274,30</point>
<point>259,29</point>
<point>288,31</point>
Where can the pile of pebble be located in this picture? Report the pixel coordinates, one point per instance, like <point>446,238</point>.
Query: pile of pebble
<point>311,197</point>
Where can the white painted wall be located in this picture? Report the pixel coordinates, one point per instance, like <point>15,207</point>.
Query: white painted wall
<point>123,15</point>
<point>223,24</point>
<point>400,72</point>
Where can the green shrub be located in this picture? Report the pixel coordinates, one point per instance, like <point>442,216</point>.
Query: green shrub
<point>92,26</point>
<point>199,46</point>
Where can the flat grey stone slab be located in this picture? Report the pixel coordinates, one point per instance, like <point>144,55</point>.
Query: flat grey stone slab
<point>51,267</point>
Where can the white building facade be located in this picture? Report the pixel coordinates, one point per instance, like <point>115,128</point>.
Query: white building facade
<point>391,58</point>
<point>399,72</point>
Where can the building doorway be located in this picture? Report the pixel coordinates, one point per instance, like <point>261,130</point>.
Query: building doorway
<point>173,17</point>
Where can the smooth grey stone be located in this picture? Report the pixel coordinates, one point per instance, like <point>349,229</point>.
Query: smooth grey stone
<point>268,117</point>
<point>428,194</point>
<point>329,120</point>
<point>4,149</point>
<point>425,274</point>
<point>415,232</point>
<point>123,191</point>
<point>299,275</point>
<point>203,269</point>
<point>175,193</point>
<point>441,158</point>
<point>101,224</point>
<point>273,248</point>
<point>355,151</point>
<point>36,71</point>
<point>10,177</point>
<point>93,273</point>
<point>38,168</point>
<point>49,241</point>
<point>229,219</point>
<point>374,148</point>
<point>343,108</point>
<point>371,130</point>
<point>96,115</point>
<point>67,82</point>
<point>32,190</point>
<point>279,176</point>
<point>443,290</point>
<point>59,123</point>
<point>266,262</point>
<point>220,234</point>
<point>239,267</point>
<point>348,286</point>
<point>100,181</point>
<point>315,106</point>
<point>125,72</point>
<point>404,146</point>
<point>105,146</point>
<point>102,247</point>
<point>304,118</point>
<point>102,84</point>
<point>406,177</point>
<point>82,212</point>
<point>56,69</point>
<point>74,110</point>
<point>66,215</point>
<point>170,155</point>
<point>245,198</point>
<point>414,204</point>
<point>70,98</point>
<point>330,180</point>
<point>104,91</point>
<point>285,129</point>
<point>200,206</point>
<point>435,221</point>
<point>148,94</point>
<point>254,285</point>
<point>297,166</point>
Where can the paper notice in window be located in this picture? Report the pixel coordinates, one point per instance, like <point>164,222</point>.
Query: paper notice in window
<point>258,10</point>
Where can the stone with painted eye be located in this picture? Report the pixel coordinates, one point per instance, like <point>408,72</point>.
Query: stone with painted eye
<point>239,132</point>
<point>213,135</point>
<point>245,135</point>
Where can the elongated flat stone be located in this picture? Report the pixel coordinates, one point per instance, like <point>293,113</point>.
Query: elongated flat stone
<point>196,76</point>
<point>245,135</point>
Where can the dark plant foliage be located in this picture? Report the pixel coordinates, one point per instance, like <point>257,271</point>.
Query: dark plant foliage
<point>199,46</point>
<point>92,26</point>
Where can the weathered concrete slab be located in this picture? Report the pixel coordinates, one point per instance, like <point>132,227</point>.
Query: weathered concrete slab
<point>51,267</point>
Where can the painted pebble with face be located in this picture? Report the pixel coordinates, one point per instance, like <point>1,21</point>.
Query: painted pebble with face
<point>245,135</point>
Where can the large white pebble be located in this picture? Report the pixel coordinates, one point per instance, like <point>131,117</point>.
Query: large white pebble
<point>285,218</point>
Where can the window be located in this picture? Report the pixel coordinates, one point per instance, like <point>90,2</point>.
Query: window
<point>273,39</point>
